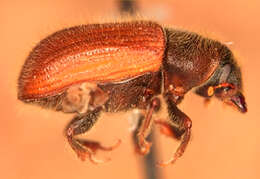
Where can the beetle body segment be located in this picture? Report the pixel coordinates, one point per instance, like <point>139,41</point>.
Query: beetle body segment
<point>95,53</point>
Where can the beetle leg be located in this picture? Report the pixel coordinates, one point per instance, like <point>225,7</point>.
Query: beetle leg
<point>85,148</point>
<point>181,122</point>
<point>143,128</point>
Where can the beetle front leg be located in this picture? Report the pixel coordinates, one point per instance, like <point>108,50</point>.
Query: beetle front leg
<point>85,148</point>
<point>181,125</point>
<point>143,128</point>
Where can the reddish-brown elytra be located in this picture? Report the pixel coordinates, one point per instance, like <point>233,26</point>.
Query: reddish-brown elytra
<point>111,67</point>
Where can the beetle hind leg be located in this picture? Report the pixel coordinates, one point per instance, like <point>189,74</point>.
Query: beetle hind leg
<point>86,148</point>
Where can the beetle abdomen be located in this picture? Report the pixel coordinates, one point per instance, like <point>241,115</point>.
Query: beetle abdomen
<point>95,53</point>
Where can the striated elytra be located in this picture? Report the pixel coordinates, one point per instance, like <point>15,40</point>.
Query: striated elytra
<point>91,53</point>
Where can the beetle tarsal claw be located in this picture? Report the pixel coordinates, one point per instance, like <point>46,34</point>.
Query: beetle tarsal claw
<point>143,146</point>
<point>112,147</point>
<point>91,156</point>
<point>164,164</point>
<point>94,146</point>
<point>88,150</point>
<point>98,161</point>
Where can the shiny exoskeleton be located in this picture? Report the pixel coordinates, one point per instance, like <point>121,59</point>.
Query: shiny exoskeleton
<point>95,68</point>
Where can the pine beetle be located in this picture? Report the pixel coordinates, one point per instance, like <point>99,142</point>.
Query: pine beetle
<point>111,67</point>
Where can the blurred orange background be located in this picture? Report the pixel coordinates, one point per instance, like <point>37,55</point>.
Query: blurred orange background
<point>225,143</point>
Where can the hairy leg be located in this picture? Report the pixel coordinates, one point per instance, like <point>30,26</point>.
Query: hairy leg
<point>85,148</point>
<point>179,126</point>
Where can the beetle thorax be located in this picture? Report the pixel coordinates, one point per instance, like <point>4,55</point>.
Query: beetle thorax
<point>189,60</point>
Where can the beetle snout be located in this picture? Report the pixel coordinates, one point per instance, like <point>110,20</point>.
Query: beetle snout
<point>239,101</point>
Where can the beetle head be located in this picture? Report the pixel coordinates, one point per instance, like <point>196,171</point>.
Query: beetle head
<point>225,83</point>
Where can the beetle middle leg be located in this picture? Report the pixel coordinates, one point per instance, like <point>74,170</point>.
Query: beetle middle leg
<point>179,126</point>
<point>79,125</point>
<point>143,128</point>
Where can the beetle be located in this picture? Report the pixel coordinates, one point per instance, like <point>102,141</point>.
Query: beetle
<point>111,67</point>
